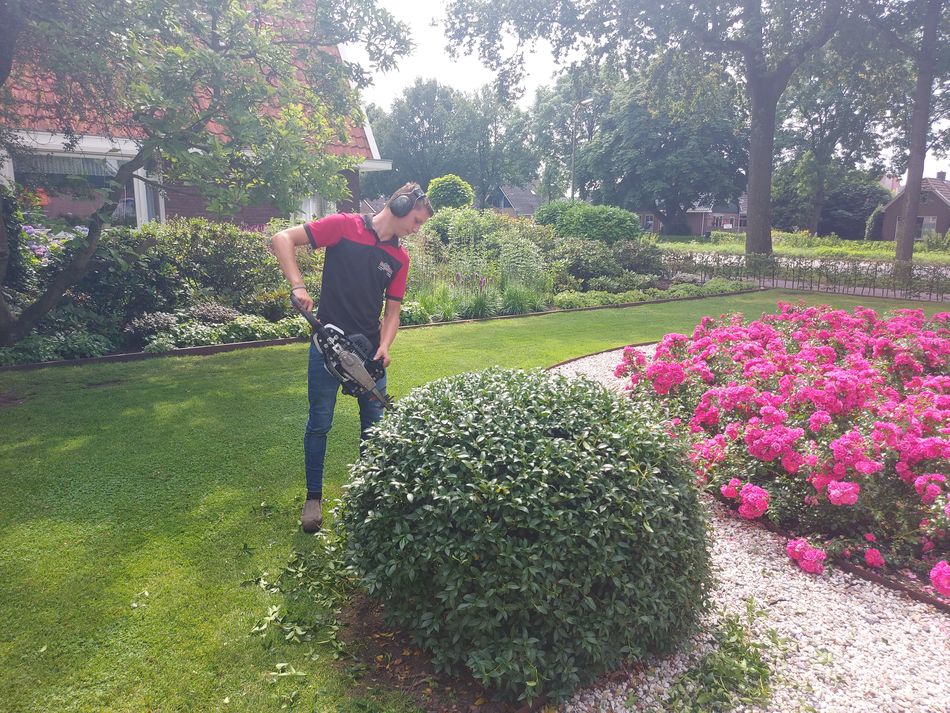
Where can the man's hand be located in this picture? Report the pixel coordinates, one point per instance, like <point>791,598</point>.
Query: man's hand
<point>382,353</point>
<point>306,301</point>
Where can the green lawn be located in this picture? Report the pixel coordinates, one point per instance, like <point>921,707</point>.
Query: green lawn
<point>122,479</point>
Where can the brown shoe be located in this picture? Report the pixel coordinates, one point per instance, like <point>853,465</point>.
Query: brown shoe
<point>312,516</point>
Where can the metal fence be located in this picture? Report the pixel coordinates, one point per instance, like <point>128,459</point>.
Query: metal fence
<point>873,278</point>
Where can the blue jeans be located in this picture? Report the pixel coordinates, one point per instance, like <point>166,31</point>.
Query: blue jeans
<point>322,388</point>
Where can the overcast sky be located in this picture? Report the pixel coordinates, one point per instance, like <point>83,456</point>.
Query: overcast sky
<point>429,60</point>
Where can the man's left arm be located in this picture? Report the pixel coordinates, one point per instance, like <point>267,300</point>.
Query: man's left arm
<point>387,332</point>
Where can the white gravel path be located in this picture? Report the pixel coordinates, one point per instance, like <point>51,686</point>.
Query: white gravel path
<point>850,645</point>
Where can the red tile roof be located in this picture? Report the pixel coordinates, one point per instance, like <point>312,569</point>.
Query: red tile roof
<point>38,107</point>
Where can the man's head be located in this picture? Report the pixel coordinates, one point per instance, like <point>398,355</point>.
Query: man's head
<point>409,208</point>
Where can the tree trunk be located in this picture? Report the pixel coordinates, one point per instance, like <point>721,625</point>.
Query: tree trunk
<point>817,203</point>
<point>763,95</point>
<point>919,125</point>
<point>14,328</point>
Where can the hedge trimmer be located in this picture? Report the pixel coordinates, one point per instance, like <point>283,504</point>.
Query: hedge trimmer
<point>346,358</point>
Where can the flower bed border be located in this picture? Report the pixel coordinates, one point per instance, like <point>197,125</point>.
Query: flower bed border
<point>233,346</point>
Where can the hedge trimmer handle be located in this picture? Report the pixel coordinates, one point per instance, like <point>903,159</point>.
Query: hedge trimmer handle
<point>307,314</point>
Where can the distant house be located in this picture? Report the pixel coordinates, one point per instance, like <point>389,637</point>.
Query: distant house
<point>79,177</point>
<point>514,201</point>
<point>703,218</point>
<point>933,213</point>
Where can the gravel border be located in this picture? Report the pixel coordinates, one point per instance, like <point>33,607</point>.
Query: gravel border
<point>850,645</point>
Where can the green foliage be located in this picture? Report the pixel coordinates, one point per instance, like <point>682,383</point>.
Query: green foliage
<point>549,213</point>
<point>20,275</point>
<point>874,227</point>
<point>583,260</point>
<point>411,312</point>
<point>532,529</point>
<point>479,304</point>
<point>639,256</point>
<point>733,674</point>
<point>603,223</point>
<point>247,328</point>
<point>219,261</point>
<point>78,344</point>
<point>449,191</point>
<point>518,299</point>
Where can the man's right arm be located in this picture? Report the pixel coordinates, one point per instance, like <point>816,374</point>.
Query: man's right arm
<point>285,244</point>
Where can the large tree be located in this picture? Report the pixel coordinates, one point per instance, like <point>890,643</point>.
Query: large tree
<point>763,42</point>
<point>496,138</point>
<point>420,134</point>
<point>671,138</point>
<point>240,100</point>
<point>918,31</point>
<point>833,117</point>
<point>433,130</point>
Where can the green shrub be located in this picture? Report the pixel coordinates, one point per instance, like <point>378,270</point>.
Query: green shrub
<point>874,227</point>
<point>683,290</point>
<point>720,285</point>
<point>411,312</point>
<point>572,299</point>
<point>219,261</point>
<point>150,324</point>
<point>604,223</point>
<point>449,191</point>
<point>160,343</point>
<point>550,213</point>
<point>78,344</point>
<point>533,530</point>
<point>440,303</point>
<point>641,256</point>
<point>213,313</point>
<point>584,259</point>
<point>518,299</point>
<point>479,304</point>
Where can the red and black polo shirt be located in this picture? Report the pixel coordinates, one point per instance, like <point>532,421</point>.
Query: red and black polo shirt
<point>358,271</point>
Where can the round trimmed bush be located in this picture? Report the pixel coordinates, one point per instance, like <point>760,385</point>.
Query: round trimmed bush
<point>450,191</point>
<point>532,529</point>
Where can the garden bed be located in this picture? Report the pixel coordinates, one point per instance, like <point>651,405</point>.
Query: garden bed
<point>219,348</point>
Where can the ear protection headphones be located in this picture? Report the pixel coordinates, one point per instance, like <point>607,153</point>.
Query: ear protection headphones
<point>400,206</point>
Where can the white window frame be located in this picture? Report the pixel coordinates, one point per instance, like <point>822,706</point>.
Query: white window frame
<point>92,147</point>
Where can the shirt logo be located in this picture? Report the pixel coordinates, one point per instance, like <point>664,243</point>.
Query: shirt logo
<point>385,267</point>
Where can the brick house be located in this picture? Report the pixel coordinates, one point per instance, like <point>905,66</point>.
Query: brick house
<point>81,174</point>
<point>704,218</point>
<point>933,213</point>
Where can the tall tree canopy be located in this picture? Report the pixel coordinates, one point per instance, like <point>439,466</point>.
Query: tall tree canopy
<point>918,31</point>
<point>835,113</point>
<point>433,130</point>
<point>671,138</point>
<point>240,100</point>
<point>763,42</point>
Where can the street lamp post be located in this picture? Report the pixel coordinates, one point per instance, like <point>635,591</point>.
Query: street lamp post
<point>582,102</point>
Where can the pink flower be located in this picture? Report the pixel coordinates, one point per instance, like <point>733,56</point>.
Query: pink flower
<point>731,489</point>
<point>873,557</point>
<point>795,547</point>
<point>755,501</point>
<point>843,493</point>
<point>869,537</point>
<point>940,577</point>
<point>811,560</point>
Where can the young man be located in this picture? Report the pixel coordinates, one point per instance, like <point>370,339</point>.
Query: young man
<point>364,264</point>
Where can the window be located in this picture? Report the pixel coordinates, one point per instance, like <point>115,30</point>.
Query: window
<point>648,222</point>
<point>74,187</point>
<point>717,220</point>
<point>743,221</point>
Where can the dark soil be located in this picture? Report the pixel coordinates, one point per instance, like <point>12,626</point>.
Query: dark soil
<point>391,660</point>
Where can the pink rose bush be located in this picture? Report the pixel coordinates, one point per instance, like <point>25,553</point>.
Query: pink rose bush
<point>829,423</point>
